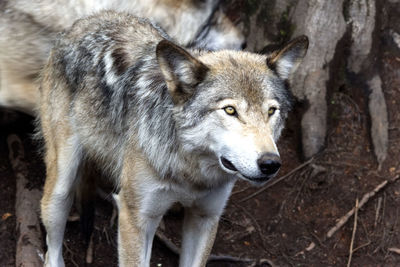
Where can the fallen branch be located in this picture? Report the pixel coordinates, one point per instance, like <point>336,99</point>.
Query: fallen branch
<point>265,187</point>
<point>364,200</point>
<point>171,246</point>
<point>353,235</point>
<point>342,221</point>
<point>29,241</point>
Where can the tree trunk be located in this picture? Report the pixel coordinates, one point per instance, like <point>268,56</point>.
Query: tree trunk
<point>332,27</point>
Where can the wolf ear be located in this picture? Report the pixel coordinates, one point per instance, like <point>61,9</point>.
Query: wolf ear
<point>286,60</point>
<point>181,71</point>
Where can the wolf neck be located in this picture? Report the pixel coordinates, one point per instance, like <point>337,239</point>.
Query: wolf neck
<point>156,130</point>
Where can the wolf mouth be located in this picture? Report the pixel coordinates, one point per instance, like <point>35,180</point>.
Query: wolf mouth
<point>258,180</point>
<point>227,164</point>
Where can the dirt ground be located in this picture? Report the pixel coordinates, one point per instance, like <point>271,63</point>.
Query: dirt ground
<point>277,226</point>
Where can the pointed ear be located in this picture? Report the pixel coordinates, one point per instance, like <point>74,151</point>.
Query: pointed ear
<point>285,61</point>
<point>182,72</point>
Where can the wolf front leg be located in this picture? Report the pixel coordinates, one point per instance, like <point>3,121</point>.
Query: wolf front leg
<point>200,226</point>
<point>142,202</point>
<point>63,173</point>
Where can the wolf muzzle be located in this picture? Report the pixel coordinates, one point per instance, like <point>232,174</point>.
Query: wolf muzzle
<point>268,164</point>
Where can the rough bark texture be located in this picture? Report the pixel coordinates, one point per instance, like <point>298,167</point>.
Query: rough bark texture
<point>332,26</point>
<point>29,252</point>
<point>396,38</point>
<point>275,14</point>
<point>379,119</point>
<point>324,23</point>
<point>361,17</point>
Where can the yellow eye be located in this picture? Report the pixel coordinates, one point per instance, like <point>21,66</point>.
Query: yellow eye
<point>230,110</point>
<point>271,111</point>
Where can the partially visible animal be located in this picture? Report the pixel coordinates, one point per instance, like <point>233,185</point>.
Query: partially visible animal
<point>28,30</point>
<point>167,124</point>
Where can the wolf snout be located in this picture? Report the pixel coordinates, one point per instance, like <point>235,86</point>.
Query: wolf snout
<point>269,164</point>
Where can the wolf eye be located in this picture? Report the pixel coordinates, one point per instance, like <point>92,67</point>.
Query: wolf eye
<point>271,111</point>
<point>230,110</point>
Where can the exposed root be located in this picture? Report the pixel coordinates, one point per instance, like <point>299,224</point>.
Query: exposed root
<point>89,251</point>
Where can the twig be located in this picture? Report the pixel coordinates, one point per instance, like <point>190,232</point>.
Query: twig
<point>168,243</point>
<point>364,200</point>
<point>361,246</point>
<point>171,246</point>
<point>341,164</point>
<point>71,253</point>
<point>106,234</point>
<point>378,209</point>
<point>306,177</point>
<point>390,236</point>
<point>353,235</point>
<point>310,247</point>
<point>366,233</point>
<point>228,258</point>
<point>395,250</point>
<point>240,190</point>
<point>265,187</point>
<point>346,217</point>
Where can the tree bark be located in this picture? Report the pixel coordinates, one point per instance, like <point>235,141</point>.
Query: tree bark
<point>324,23</point>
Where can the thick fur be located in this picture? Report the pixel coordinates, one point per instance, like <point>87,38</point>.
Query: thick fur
<point>117,91</point>
<point>28,30</point>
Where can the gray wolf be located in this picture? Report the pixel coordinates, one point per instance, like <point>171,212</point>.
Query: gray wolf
<point>167,124</point>
<point>28,29</point>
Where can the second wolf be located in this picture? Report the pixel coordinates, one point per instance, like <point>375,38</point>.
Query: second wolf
<point>28,29</point>
<point>168,124</point>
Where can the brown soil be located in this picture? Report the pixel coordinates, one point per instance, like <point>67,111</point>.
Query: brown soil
<point>281,222</point>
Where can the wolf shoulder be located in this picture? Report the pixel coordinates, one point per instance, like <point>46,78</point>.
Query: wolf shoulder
<point>102,48</point>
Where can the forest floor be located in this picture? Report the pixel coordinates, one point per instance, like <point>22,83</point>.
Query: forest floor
<point>285,225</point>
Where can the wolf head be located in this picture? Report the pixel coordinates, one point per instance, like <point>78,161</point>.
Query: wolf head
<point>232,105</point>
<point>201,24</point>
<point>218,32</point>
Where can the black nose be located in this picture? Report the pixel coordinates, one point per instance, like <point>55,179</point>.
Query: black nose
<point>269,163</point>
<point>244,45</point>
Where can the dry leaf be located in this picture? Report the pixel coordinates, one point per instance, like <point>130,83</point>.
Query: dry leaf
<point>6,216</point>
